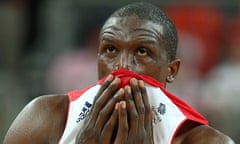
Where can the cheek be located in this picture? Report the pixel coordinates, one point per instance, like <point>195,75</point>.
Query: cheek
<point>162,74</point>
<point>158,72</point>
<point>104,68</point>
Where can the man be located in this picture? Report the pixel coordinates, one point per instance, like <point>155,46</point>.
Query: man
<point>138,39</point>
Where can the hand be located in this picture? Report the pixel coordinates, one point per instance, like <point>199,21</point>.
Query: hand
<point>99,124</point>
<point>134,116</point>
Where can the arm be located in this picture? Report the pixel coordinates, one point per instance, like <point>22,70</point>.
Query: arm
<point>41,121</point>
<point>203,135</point>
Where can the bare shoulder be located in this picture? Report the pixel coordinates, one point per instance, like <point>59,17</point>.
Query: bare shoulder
<point>203,135</point>
<point>42,121</point>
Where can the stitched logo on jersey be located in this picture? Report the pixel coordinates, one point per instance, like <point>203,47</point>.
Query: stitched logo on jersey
<point>162,108</point>
<point>157,111</point>
<point>85,110</point>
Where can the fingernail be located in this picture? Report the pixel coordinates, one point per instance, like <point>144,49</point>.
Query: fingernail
<point>134,81</point>
<point>121,91</point>
<point>123,104</point>
<point>116,80</point>
<point>109,77</point>
<point>141,83</point>
<point>128,89</point>
<point>116,106</point>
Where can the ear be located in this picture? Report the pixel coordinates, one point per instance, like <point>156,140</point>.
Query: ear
<point>173,68</point>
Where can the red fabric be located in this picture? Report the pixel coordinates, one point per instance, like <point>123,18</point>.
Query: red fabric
<point>125,76</point>
<point>188,111</point>
<point>73,95</point>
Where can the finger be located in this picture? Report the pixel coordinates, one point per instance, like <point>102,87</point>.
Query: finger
<point>106,83</point>
<point>132,112</point>
<point>137,95</point>
<point>108,128</point>
<point>122,133</point>
<point>108,92</point>
<point>91,117</point>
<point>106,111</point>
<point>148,111</point>
<point>103,98</point>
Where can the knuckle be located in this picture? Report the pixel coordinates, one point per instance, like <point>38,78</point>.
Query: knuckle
<point>135,116</point>
<point>112,86</point>
<point>131,104</point>
<point>114,98</point>
<point>108,125</point>
<point>141,109</point>
<point>102,113</point>
<point>88,130</point>
<point>93,132</point>
<point>141,136</point>
<point>98,103</point>
<point>125,127</point>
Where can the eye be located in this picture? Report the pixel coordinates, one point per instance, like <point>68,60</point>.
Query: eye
<point>142,51</point>
<point>111,49</point>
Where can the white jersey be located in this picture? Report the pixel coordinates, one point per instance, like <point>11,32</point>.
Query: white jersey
<point>170,111</point>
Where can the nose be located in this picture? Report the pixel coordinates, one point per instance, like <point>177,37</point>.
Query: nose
<point>125,61</point>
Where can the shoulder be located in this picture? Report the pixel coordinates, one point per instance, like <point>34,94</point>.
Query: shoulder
<point>203,134</point>
<point>41,120</point>
<point>53,102</point>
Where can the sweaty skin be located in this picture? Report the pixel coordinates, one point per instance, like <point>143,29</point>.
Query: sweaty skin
<point>129,43</point>
<point>133,44</point>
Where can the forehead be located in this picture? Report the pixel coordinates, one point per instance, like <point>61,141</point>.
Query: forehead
<point>131,25</point>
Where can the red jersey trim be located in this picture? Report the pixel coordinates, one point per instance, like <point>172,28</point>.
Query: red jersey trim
<point>73,95</point>
<point>188,111</point>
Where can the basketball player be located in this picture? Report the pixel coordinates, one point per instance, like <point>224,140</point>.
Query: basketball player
<point>137,44</point>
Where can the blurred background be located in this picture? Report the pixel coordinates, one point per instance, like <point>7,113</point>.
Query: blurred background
<point>50,46</point>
